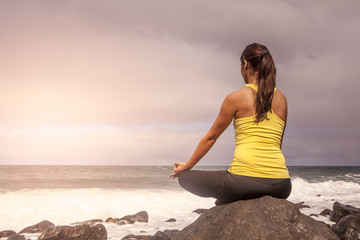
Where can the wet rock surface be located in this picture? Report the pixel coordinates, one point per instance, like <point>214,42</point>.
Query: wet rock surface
<point>38,228</point>
<point>348,228</point>
<point>339,211</point>
<point>130,219</point>
<point>347,220</point>
<point>79,232</point>
<point>138,217</point>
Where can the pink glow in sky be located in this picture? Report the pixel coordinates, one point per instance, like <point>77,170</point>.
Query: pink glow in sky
<point>140,82</point>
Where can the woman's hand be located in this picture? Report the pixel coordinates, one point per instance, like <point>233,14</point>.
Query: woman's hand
<point>178,168</point>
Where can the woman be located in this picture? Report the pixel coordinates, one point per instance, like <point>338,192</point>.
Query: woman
<point>259,111</point>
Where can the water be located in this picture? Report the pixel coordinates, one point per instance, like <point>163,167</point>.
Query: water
<point>320,187</point>
<point>68,194</point>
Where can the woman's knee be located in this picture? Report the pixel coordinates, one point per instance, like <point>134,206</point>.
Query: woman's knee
<point>183,178</point>
<point>201,183</point>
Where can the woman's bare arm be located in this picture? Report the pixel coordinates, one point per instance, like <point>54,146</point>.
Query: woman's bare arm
<point>226,114</point>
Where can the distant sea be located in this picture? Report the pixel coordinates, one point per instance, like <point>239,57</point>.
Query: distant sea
<point>68,194</point>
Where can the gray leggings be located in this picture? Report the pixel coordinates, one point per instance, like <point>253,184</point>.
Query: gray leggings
<point>227,187</point>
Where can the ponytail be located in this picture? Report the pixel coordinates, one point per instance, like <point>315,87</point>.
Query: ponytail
<point>262,62</point>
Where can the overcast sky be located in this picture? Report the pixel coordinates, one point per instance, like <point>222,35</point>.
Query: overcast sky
<point>140,82</point>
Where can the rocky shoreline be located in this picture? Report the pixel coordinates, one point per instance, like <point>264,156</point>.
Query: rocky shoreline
<point>263,218</point>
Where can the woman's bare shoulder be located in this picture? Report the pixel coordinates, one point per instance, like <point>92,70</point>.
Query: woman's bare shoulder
<point>279,105</point>
<point>242,93</point>
<point>243,101</point>
<point>279,96</point>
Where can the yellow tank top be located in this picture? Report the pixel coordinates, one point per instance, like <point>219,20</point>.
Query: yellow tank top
<point>258,146</point>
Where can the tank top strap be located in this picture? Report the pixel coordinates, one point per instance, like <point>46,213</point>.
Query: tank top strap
<point>255,87</point>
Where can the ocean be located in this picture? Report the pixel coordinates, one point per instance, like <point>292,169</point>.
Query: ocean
<point>68,194</point>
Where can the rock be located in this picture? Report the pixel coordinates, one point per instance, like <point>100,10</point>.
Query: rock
<point>38,228</point>
<point>78,232</point>
<point>325,212</point>
<point>171,220</point>
<point>302,205</point>
<point>7,233</point>
<point>136,237</point>
<point>339,211</point>
<point>123,222</point>
<point>262,218</point>
<point>200,210</point>
<point>165,235</point>
<point>348,228</point>
<point>111,220</point>
<point>16,237</point>
<point>130,219</point>
<point>138,217</point>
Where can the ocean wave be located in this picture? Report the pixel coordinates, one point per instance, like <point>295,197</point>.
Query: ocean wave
<point>353,176</point>
<point>64,206</point>
<point>325,191</point>
<point>321,195</point>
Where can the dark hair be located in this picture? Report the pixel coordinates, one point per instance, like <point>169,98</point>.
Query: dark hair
<point>261,62</point>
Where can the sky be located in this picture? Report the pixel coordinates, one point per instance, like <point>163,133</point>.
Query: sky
<point>140,82</point>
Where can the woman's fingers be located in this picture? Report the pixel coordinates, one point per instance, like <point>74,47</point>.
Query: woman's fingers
<point>176,165</point>
<point>174,175</point>
<point>177,169</point>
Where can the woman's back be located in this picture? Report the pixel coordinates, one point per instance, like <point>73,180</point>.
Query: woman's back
<point>258,143</point>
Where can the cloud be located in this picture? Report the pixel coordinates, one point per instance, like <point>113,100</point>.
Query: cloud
<point>122,63</point>
<point>111,145</point>
<point>137,82</point>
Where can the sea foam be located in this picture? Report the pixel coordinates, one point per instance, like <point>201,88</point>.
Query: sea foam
<point>321,195</point>
<point>65,206</point>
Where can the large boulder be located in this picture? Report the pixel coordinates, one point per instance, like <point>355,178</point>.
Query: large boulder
<point>348,228</point>
<point>79,232</point>
<point>38,228</point>
<point>347,220</point>
<point>263,218</point>
<point>339,211</point>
